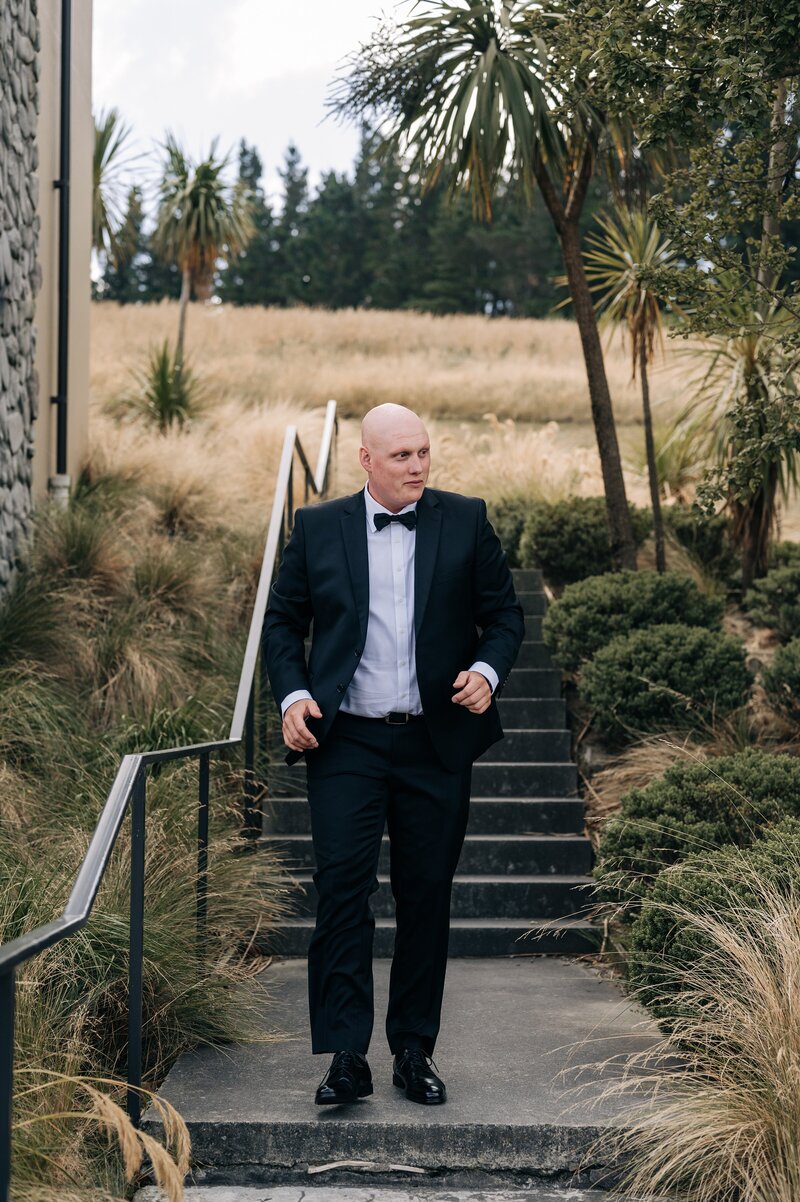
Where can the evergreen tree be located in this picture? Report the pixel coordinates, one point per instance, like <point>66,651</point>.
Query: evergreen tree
<point>252,277</point>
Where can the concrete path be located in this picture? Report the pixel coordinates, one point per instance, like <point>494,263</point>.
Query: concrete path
<point>514,1035</point>
<point>295,1193</point>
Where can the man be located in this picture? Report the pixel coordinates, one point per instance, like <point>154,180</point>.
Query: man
<point>395,704</point>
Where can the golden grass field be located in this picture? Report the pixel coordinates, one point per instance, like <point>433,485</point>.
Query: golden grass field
<point>506,402</point>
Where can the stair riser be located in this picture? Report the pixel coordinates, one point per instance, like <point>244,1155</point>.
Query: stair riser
<point>524,780</point>
<point>533,603</point>
<point>490,779</point>
<point>537,745</point>
<point>527,579</point>
<point>290,816</point>
<point>533,682</point>
<point>478,941</point>
<point>543,714</point>
<point>554,898</point>
<point>532,857</point>
<point>534,654</point>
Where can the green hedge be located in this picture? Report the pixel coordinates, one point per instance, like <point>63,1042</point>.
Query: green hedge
<point>692,807</point>
<point>722,884</point>
<point>568,539</point>
<point>774,600</point>
<point>591,612</point>
<point>664,675</point>
<point>783,554</point>
<point>782,678</point>
<point>507,515</point>
<point>708,539</point>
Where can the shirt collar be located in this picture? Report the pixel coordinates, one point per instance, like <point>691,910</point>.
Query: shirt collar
<point>373,507</point>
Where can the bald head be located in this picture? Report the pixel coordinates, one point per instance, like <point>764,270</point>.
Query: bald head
<point>386,422</point>
<point>395,454</point>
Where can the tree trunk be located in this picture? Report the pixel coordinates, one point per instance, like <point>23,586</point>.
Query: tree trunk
<point>778,153</point>
<point>183,304</point>
<point>652,470</point>
<point>753,524</point>
<point>623,546</point>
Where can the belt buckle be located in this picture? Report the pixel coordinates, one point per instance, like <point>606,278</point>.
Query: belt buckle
<point>389,718</point>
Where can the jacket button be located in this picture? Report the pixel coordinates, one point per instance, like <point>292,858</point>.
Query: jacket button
<point>357,651</point>
<point>340,688</point>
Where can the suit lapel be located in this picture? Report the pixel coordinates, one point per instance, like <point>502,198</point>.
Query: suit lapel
<point>429,523</point>
<point>354,533</point>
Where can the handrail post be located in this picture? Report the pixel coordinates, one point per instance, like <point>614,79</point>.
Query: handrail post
<point>7,1004</point>
<point>202,855</point>
<point>138,801</point>
<point>250,824</point>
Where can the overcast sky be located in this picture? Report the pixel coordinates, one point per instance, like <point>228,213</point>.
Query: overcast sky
<point>257,69</point>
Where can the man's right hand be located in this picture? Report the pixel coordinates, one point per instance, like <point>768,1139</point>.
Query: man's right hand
<point>295,732</point>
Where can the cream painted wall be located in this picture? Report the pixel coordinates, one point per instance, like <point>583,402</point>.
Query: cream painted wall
<point>82,143</point>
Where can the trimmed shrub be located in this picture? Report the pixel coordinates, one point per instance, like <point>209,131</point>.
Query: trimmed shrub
<point>692,808</point>
<point>508,515</point>
<point>708,539</point>
<point>723,884</point>
<point>774,600</point>
<point>783,554</point>
<point>665,675</point>
<point>591,612</point>
<point>568,539</point>
<point>782,679</point>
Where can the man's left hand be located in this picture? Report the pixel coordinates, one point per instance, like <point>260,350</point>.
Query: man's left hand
<point>475,691</point>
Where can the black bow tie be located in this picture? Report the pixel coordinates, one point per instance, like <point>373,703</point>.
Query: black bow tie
<point>409,519</point>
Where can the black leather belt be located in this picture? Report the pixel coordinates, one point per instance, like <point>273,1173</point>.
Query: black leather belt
<point>394,718</point>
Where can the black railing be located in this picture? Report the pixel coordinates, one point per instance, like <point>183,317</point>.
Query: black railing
<point>129,791</point>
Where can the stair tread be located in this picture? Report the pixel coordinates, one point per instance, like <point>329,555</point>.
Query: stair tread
<point>523,836</point>
<point>479,878</point>
<point>557,924</point>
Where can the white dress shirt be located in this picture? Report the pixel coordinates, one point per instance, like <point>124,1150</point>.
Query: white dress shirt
<point>386,677</point>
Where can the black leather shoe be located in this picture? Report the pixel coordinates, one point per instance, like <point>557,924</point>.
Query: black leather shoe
<point>412,1072</point>
<point>347,1079</point>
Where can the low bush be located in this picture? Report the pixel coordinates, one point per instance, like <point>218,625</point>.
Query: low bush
<point>783,554</point>
<point>694,807</point>
<point>710,1109</point>
<point>568,539</point>
<point>724,883</point>
<point>507,515</point>
<point>782,679</point>
<point>774,600</point>
<point>708,539</point>
<point>665,675</point>
<point>591,612</point>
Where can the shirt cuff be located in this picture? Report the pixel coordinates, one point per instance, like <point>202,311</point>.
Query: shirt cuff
<point>488,671</point>
<point>297,695</point>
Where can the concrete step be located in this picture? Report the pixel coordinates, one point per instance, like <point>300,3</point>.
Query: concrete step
<point>487,815</point>
<point>404,1187</point>
<point>533,604</point>
<point>491,854</point>
<point>533,683</point>
<point>534,653</point>
<point>527,897</point>
<point>515,1034</point>
<point>545,779</point>
<point>536,746</point>
<point>490,778</point>
<point>469,937</point>
<point>533,627</point>
<point>527,579</point>
<point>545,713</point>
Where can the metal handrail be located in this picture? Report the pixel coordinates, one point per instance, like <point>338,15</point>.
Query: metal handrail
<point>129,791</point>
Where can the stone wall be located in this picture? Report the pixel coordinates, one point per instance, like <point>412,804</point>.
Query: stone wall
<point>20,275</point>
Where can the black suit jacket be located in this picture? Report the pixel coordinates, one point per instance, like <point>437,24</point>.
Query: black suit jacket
<point>465,609</point>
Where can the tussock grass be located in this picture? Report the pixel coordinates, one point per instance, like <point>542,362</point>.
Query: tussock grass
<point>723,1122</point>
<point>455,366</point>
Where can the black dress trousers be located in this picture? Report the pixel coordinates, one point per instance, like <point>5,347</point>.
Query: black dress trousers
<point>365,775</point>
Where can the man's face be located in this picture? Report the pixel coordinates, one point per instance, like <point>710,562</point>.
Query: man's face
<point>398,463</point>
